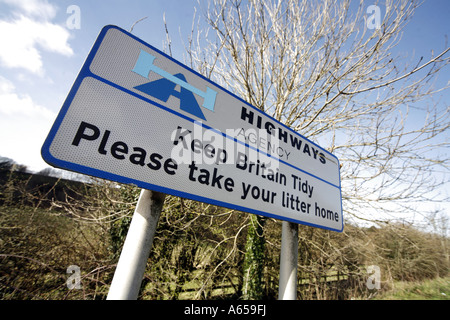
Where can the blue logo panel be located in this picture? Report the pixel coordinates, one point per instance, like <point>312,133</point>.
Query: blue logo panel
<point>163,88</point>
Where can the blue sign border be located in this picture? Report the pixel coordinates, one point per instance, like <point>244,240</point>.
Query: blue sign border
<point>86,72</point>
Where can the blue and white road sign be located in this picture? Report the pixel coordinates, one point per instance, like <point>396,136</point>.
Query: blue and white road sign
<point>136,116</point>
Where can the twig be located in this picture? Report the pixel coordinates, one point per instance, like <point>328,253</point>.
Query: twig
<point>131,29</point>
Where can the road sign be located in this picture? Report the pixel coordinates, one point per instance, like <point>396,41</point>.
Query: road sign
<point>136,116</point>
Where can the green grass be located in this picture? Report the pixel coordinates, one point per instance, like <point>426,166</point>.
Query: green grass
<point>435,289</point>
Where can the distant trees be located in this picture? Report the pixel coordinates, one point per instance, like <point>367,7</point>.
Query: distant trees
<point>7,164</point>
<point>48,172</point>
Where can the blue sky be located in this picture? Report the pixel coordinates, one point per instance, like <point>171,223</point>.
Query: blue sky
<point>41,55</point>
<point>44,56</point>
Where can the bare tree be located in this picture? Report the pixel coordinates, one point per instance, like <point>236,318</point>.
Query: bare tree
<point>318,68</point>
<point>315,66</point>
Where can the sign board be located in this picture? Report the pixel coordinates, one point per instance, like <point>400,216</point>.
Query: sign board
<point>136,116</point>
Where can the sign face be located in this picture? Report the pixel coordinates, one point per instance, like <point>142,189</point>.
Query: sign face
<point>136,116</point>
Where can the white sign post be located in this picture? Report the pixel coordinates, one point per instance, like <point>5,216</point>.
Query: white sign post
<point>136,248</point>
<point>288,261</point>
<point>136,116</point>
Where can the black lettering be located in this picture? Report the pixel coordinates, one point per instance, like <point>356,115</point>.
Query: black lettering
<point>120,149</point>
<point>306,149</point>
<point>246,190</point>
<point>180,136</point>
<point>101,148</point>
<point>322,158</point>
<point>138,158</point>
<point>241,158</point>
<point>203,178</point>
<point>249,116</point>
<point>82,135</point>
<point>269,126</point>
<point>196,146</point>
<point>258,122</point>
<point>210,151</point>
<point>229,184</point>
<point>222,158</point>
<point>314,152</point>
<point>155,161</point>
<point>216,179</point>
<point>297,143</point>
<point>192,168</point>
<point>170,166</point>
<point>117,148</point>
<point>325,213</point>
<point>282,135</point>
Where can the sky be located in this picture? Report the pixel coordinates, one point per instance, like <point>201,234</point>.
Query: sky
<point>44,43</point>
<point>43,49</point>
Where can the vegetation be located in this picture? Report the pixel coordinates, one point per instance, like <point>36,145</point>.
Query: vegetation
<point>326,71</point>
<point>435,289</point>
<point>317,67</point>
<point>199,250</point>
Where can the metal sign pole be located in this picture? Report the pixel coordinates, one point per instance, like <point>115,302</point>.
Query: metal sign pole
<point>288,262</point>
<point>136,249</point>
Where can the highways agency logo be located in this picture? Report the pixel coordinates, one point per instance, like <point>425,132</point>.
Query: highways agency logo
<point>164,87</point>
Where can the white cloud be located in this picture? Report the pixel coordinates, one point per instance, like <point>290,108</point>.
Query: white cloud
<point>12,103</point>
<point>23,126</point>
<point>35,8</point>
<point>28,33</point>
